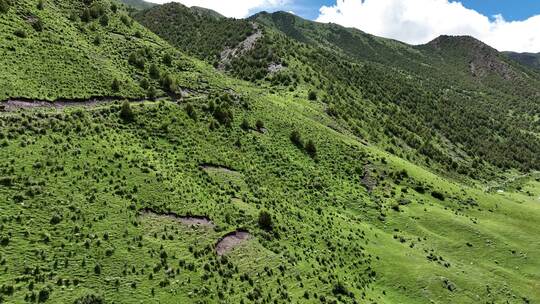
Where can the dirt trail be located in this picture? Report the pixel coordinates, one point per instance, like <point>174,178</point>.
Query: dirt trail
<point>25,103</point>
<point>191,220</point>
<point>231,241</point>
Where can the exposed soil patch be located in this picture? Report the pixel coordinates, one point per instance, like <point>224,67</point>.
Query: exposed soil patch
<point>232,240</point>
<point>368,180</point>
<point>210,167</point>
<point>191,220</point>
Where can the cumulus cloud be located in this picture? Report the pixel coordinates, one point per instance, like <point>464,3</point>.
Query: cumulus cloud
<point>419,21</point>
<point>234,9</point>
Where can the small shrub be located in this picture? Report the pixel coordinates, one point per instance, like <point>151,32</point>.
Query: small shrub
<point>89,299</point>
<point>43,295</point>
<point>311,149</point>
<point>167,59</point>
<point>136,60</point>
<point>145,84</point>
<point>20,33</point>
<point>41,5</point>
<point>115,86</point>
<point>154,71</point>
<point>245,125</point>
<point>85,16</point>
<point>259,124</point>
<point>4,6</point>
<point>168,83</point>
<point>38,25</point>
<point>126,113</point>
<point>56,219</point>
<point>151,93</point>
<point>223,115</point>
<point>104,20</point>
<point>312,95</point>
<point>97,269</point>
<point>265,221</point>
<point>190,110</point>
<point>296,138</point>
<point>125,20</point>
<point>340,289</point>
<point>438,195</point>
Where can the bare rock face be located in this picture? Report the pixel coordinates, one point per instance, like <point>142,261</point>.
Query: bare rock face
<point>245,46</point>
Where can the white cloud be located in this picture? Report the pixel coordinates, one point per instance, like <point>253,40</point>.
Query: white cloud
<point>419,21</point>
<point>230,8</point>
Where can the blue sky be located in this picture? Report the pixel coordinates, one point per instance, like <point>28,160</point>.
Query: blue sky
<point>511,9</point>
<point>507,25</point>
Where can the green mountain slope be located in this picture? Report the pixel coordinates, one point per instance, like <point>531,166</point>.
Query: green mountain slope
<point>77,51</point>
<point>529,59</point>
<point>454,104</point>
<point>233,191</point>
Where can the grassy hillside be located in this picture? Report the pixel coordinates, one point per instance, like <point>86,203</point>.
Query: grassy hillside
<point>349,224</point>
<point>259,191</point>
<point>72,50</point>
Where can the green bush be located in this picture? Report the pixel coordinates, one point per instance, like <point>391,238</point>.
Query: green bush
<point>115,86</point>
<point>168,59</point>
<point>125,20</point>
<point>223,115</point>
<point>38,25</point>
<point>312,95</point>
<point>154,71</point>
<point>168,83</point>
<point>41,5</point>
<point>20,33</point>
<point>310,148</point>
<point>438,195</point>
<point>90,299</point>
<point>296,138</point>
<point>245,125</point>
<point>151,93</point>
<point>136,59</point>
<point>265,221</point>
<point>104,20</point>
<point>126,113</point>
<point>4,6</point>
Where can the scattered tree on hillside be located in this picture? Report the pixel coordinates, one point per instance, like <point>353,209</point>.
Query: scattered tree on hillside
<point>115,86</point>
<point>311,149</point>
<point>4,6</point>
<point>265,221</point>
<point>296,139</point>
<point>126,113</point>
